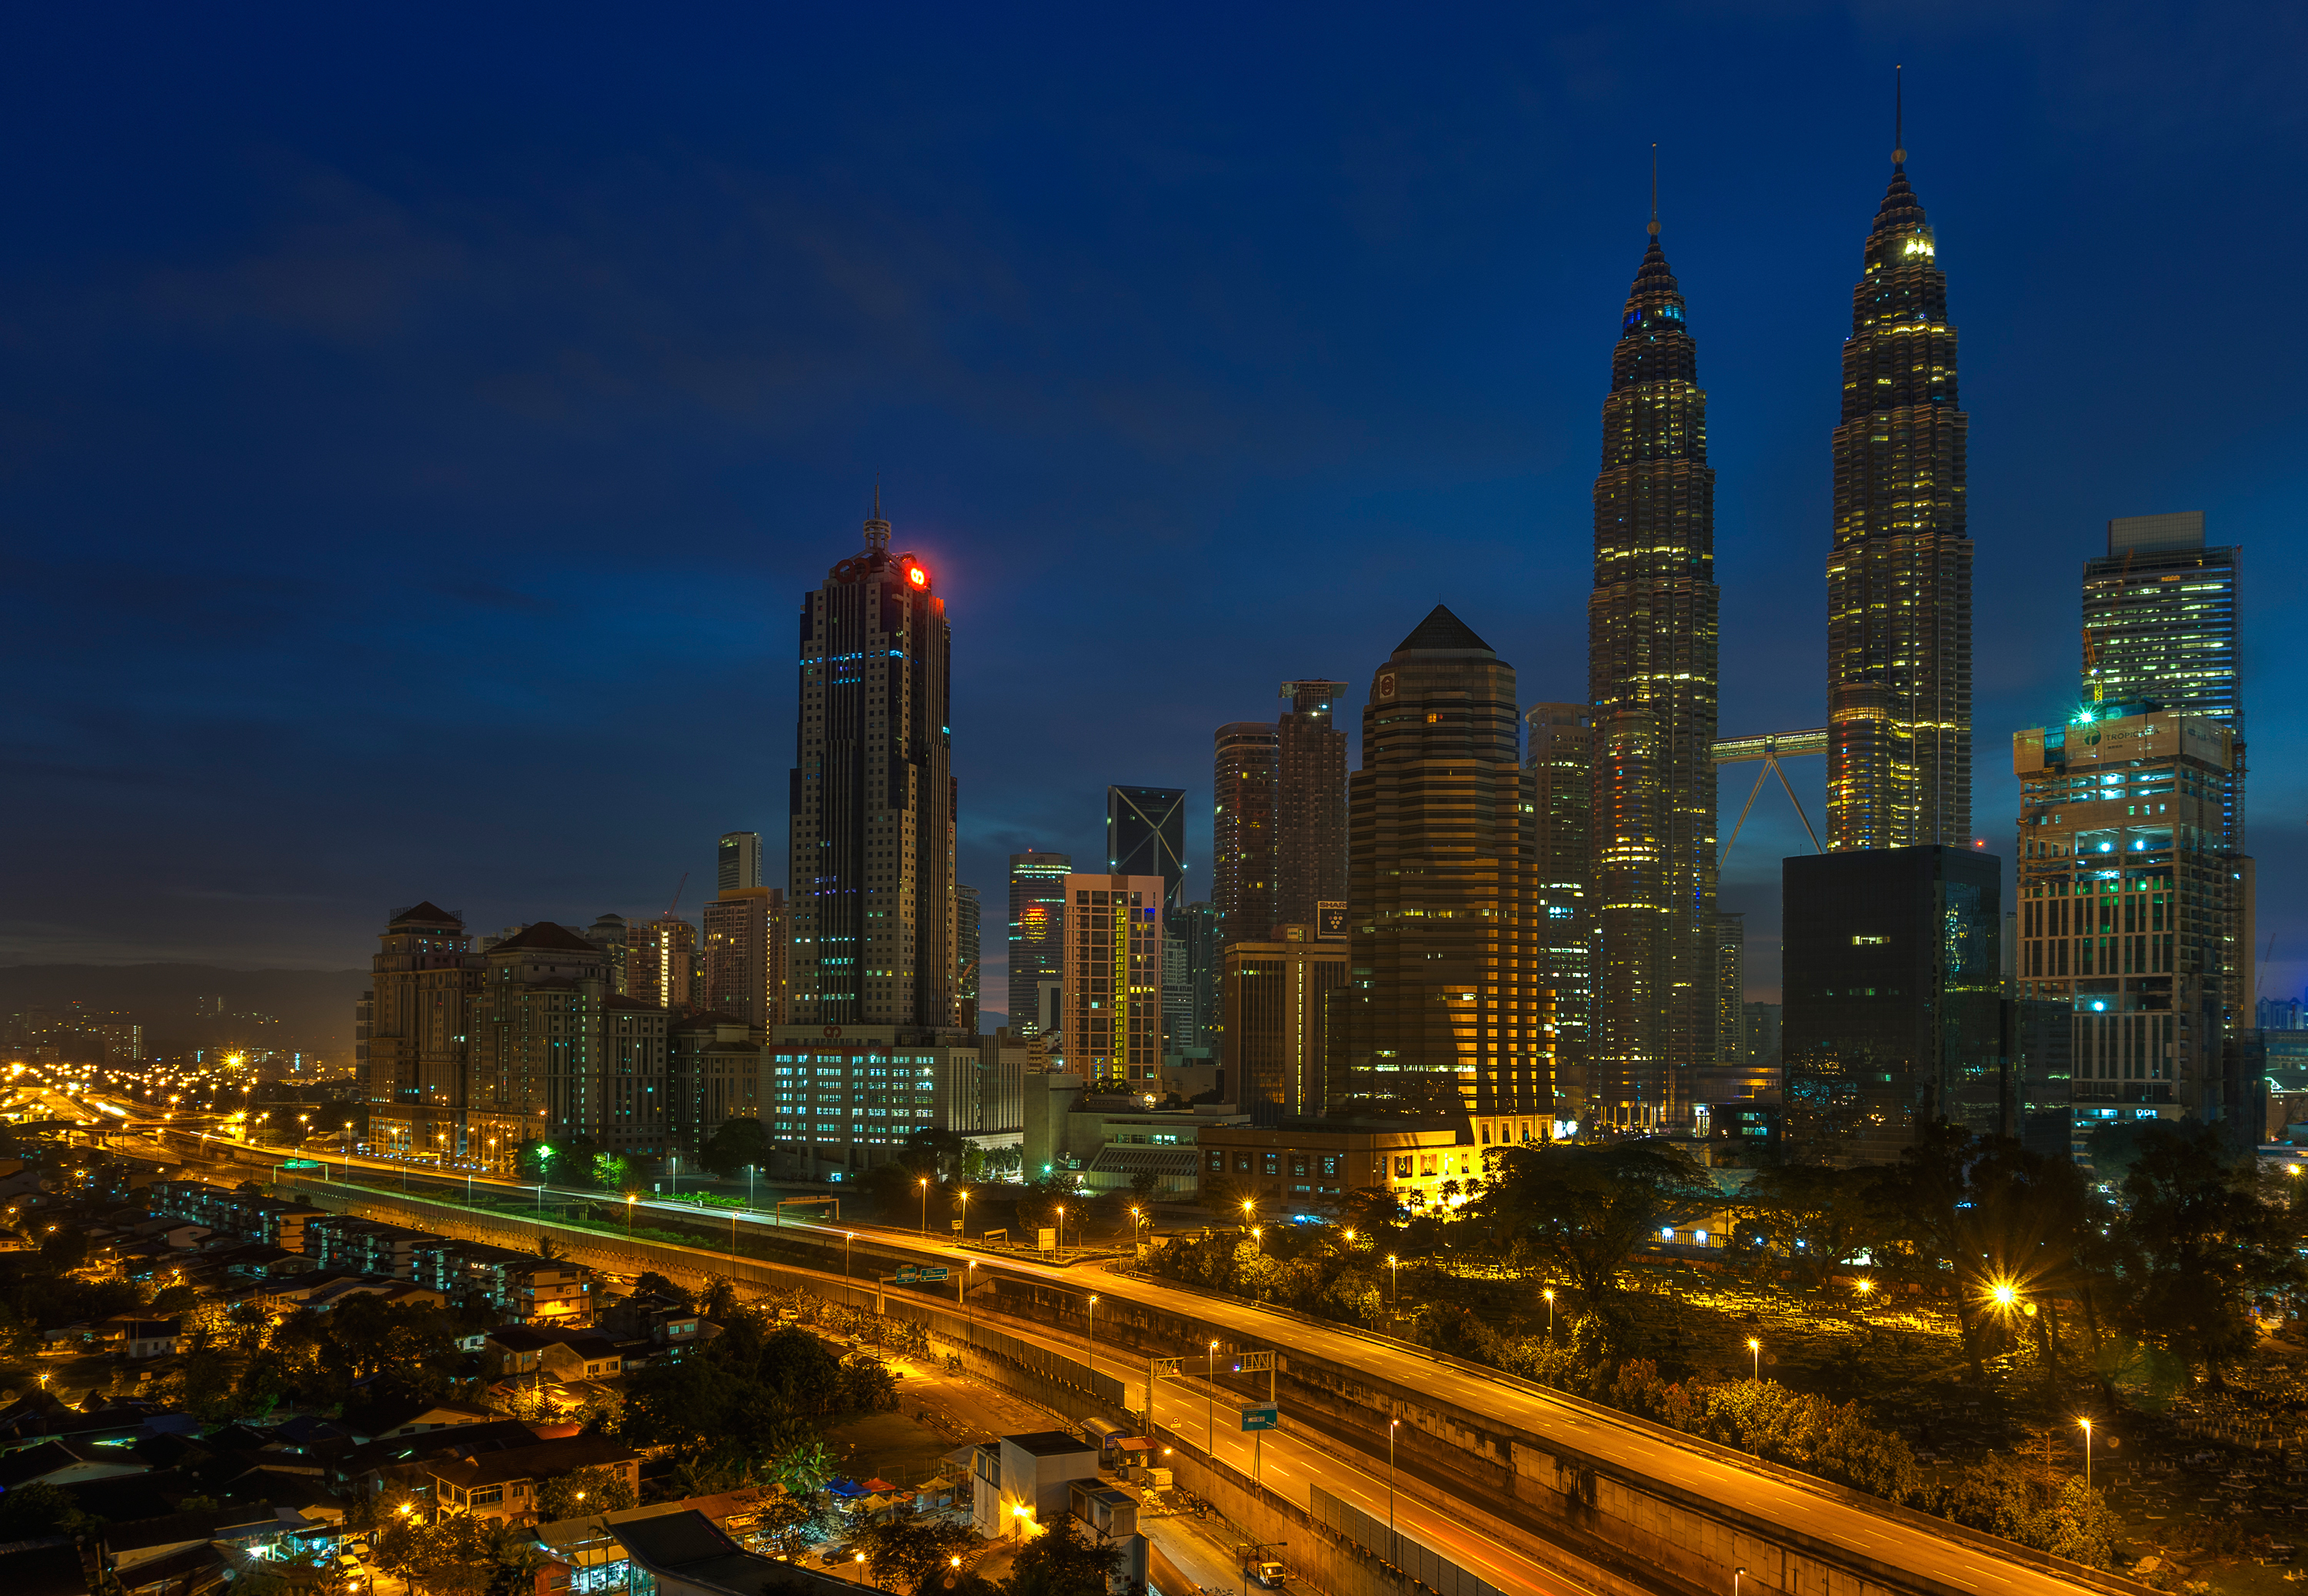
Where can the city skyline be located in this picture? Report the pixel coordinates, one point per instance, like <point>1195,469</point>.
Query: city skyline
<point>2013,168</point>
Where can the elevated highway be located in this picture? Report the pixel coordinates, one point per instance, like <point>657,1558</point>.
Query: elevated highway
<point>1687,1514</point>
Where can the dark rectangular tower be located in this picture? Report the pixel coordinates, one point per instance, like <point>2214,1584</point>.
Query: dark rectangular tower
<point>1651,676</point>
<point>872,801</point>
<point>1899,579</point>
<point>1893,997</point>
<point>1146,836</point>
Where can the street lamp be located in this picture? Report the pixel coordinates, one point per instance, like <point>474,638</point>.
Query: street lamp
<point>1061,1227</point>
<point>1549,1294</point>
<point>1756,1349</point>
<point>629,1216</point>
<point>969,1308</point>
<point>2087,1440</point>
<point>1391,1426</point>
<point>1093,1339</point>
<point>962,1196</point>
<point>1248,1209</point>
<point>852,1237</point>
<point>1393,1267</point>
<point>925,1184</point>
<point>1211,1391</point>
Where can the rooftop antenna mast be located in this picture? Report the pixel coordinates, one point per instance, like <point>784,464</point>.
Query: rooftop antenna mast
<point>1654,227</point>
<point>1899,118</point>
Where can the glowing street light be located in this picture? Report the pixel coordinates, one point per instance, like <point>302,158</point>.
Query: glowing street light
<point>1211,1408</point>
<point>925,1184</point>
<point>1549,1294</point>
<point>2088,1441</point>
<point>1756,1348</point>
<point>1393,1272</point>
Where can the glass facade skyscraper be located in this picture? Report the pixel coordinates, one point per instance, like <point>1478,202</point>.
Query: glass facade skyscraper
<point>2160,626</point>
<point>1892,998</point>
<point>1146,836</point>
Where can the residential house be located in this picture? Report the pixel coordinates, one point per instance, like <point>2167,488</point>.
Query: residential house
<point>502,1482</point>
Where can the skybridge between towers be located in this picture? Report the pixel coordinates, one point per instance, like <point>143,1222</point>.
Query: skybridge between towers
<point>1768,749</point>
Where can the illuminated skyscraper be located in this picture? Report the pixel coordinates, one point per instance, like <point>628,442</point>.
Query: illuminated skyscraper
<point>1443,925</point>
<point>1114,979</point>
<point>1650,676</point>
<point>1898,580</point>
<point>872,798</point>
<point>2160,626</point>
<point>745,955</point>
<point>1037,934</point>
<point>1242,828</point>
<point>661,962</point>
<point>740,859</point>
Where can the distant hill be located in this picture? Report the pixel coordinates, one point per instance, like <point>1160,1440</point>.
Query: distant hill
<point>305,1010</point>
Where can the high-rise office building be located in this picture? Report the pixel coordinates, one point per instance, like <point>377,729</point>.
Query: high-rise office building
<point>2160,626</point>
<point>661,962</point>
<point>558,1054</point>
<point>745,955</point>
<point>1309,802</point>
<point>740,860</point>
<point>1761,1031</point>
<point>1114,979</point>
<point>425,978</point>
<point>1560,755</point>
<point>1279,1005</point>
<point>1893,997</point>
<point>1037,934</point>
<point>1243,827</point>
<point>1146,836</point>
<point>873,797</point>
<point>1731,989</point>
<point>968,914</point>
<point>1445,939</point>
<point>1898,577</point>
<point>2128,902</point>
<point>608,933</point>
<point>1652,680</point>
<point>1195,930</point>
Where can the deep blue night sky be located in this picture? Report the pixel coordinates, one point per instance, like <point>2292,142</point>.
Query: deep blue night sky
<point>417,426</point>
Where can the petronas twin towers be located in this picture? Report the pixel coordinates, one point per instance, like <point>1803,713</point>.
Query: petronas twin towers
<point>1899,645</point>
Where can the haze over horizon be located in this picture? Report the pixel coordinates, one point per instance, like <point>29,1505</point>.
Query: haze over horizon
<point>415,444</point>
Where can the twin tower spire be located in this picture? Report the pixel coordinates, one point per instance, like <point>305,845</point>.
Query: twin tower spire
<point>1899,573</point>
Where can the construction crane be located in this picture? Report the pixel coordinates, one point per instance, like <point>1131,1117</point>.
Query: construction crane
<point>679,888</point>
